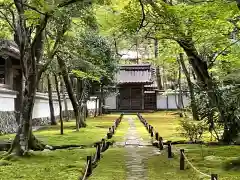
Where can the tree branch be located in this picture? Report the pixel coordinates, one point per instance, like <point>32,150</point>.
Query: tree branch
<point>222,51</point>
<point>7,20</point>
<point>143,15</point>
<point>35,9</point>
<point>66,3</point>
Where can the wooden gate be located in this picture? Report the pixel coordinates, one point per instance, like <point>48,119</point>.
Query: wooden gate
<point>130,98</point>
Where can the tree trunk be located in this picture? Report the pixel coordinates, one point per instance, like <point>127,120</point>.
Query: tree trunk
<point>59,103</point>
<point>70,91</point>
<point>101,101</point>
<point>50,100</point>
<point>201,70</point>
<point>25,139</point>
<point>66,113</point>
<point>96,105</point>
<point>190,87</point>
<point>158,73</point>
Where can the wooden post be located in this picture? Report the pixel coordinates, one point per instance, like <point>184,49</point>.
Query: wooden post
<point>113,130</point>
<point>98,151</point>
<point>151,133</point>
<point>89,170</point>
<point>169,149</point>
<point>142,97</point>
<point>182,160</point>
<point>108,144</point>
<point>160,143</point>
<point>156,136</point>
<point>214,177</point>
<point>109,135</point>
<point>103,145</point>
<point>149,128</point>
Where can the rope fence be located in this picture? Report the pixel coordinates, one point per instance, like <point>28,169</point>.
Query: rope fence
<point>157,141</point>
<point>101,146</point>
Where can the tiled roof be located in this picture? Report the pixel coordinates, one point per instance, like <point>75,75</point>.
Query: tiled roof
<point>140,73</point>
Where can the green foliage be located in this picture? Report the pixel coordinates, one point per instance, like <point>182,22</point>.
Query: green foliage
<point>192,129</point>
<point>83,75</point>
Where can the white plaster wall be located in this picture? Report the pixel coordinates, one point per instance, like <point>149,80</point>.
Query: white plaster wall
<point>171,102</point>
<point>7,101</point>
<point>6,104</point>
<point>41,108</point>
<point>162,101</point>
<point>69,105</point>
<point>91,104</point>
<point>110,101</point>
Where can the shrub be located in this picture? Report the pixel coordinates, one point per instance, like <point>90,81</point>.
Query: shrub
<point>193,130</point>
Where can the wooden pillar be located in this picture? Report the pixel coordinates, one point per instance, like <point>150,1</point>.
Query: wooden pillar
<point>130,98</point>
<point>117,99</point>
<point>142,96</point>
<point>9,73</point>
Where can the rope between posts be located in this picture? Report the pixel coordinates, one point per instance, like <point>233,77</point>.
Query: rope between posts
<point>195,167</point>
<point>185,157</point>
<point>86,170</point>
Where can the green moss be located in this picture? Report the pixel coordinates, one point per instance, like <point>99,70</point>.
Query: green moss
<point>142,131</point>
<point>112,166</point>
<point>122,129</point>
<point>166,124</point>
<point>59,165</point>
<point>95,130</point>
<point>221,160</point>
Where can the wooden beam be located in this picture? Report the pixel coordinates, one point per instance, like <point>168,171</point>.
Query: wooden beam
<point>9,73</point>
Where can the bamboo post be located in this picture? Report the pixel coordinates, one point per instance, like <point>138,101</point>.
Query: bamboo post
<point>89,168</point>
<point>182,159</point>
<point>214,177</point>
<point>160,143</point>
<point>169,149</point>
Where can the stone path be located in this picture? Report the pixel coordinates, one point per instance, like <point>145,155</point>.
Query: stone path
<point>137,152</point>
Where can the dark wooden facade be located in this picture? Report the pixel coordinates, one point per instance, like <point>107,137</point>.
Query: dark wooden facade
<point>136,97</point>
<point>135,87</point>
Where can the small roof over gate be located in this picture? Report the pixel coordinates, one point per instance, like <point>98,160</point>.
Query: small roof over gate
<point>9,48</point>
<point>137,73</point>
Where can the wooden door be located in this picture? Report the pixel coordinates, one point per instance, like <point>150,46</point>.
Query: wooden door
<point>124,98</point>
<point>136,98</point>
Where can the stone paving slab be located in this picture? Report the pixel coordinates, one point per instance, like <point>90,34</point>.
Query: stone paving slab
<point>137,151</point>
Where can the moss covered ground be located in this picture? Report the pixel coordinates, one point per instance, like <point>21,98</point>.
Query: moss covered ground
<point>221,160</point>
<point>58,164</point>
